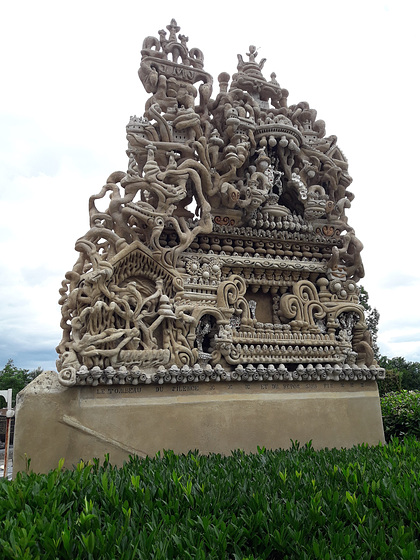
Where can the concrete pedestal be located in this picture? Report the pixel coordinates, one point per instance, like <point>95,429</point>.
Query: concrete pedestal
<point>86,422</point>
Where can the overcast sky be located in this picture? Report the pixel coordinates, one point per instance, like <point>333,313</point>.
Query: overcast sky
<point>70,84</point>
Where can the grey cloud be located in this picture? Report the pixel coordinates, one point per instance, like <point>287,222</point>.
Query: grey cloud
<point>28,351</point>
<point>30,359</point>
<point>399,323</point>
<point>38,275</point>
<point>408,337</point>
<point>386,349</point>
<point>40,154</point>
<point>414,356</point>
<point>398,280</point>
<point>25,336</point>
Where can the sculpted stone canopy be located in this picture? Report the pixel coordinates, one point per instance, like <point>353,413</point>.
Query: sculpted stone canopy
<point>225,252</point>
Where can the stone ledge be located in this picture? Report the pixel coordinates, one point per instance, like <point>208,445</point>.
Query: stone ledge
<point>135,376</point>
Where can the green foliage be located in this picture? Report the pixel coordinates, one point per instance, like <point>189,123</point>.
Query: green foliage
<point>401,414</point>
<point>391,383</point>
<point>409,371</point>
<point>372,319</point>
<point>348,504</point>
<point>12,377</point>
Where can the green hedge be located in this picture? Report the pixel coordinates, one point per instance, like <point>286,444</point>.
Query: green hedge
<point>391,383</point>
<point>401,414</point>
<point>347,504</point>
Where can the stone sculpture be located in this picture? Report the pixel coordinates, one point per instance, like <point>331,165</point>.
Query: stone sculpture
<point>225,252</point>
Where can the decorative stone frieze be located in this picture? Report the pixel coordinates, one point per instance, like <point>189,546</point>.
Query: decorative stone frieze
<point>225,253</point>
<point>208,374</point>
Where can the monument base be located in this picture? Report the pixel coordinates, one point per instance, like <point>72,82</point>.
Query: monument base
<point>54,422</point>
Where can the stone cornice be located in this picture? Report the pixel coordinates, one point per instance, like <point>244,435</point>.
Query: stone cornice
<point>196,374</point>
<point>276,263</point>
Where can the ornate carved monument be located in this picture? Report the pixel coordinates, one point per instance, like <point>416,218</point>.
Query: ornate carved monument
<point>225,255</point>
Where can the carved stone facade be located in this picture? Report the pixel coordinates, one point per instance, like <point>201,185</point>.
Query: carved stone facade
<point>225,252</point>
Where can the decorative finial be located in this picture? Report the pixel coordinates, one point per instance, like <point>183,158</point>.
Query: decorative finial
<point>173,29</point>
<point>253,53</point>
<point>184,40</point>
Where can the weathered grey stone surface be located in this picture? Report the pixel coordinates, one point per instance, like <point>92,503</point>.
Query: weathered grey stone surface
<point>87,422</point>
<point>224,257</point>
<point>225,243</point>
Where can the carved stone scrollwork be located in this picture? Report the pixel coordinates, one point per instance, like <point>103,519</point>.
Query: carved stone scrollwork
<point>302,307</point>
<point>230,208</point>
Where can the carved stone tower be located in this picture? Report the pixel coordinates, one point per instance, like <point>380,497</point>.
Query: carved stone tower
<point>225,255</point>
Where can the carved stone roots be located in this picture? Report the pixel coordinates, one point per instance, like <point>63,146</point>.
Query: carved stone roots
<point>225,251</point>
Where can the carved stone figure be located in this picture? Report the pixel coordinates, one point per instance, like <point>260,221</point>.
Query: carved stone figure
<point>225,252</point>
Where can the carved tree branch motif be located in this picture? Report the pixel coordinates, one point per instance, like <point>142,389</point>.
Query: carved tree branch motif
<point>225,202</point>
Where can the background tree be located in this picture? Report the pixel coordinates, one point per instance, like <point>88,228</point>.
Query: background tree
<point>372,320</point>
<point>400,373</point>
<point>12,377</point>
<point>409,372</point>
<point>392,382</point>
